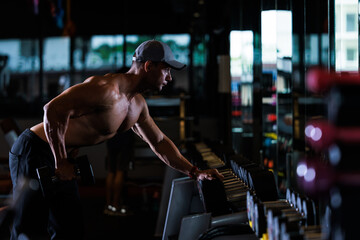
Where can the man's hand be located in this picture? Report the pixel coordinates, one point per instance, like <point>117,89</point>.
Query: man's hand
<point>208,174</point>
<point>65,171</point>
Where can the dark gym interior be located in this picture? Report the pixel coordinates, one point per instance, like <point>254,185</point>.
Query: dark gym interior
<point>268,97</point>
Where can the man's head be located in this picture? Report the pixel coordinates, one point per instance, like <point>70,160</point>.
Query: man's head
<point>156,51</point>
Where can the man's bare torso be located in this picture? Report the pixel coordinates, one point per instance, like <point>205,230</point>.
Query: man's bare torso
<point>99,123</point>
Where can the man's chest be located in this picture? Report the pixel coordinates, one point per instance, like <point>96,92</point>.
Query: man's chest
<point>125,115</point>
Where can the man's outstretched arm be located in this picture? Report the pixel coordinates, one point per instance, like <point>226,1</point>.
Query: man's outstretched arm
<point>166,150</point>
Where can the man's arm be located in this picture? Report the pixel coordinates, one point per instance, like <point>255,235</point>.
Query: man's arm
<point>55,124</point>
<point>71,103</point>
<point>166,150</point>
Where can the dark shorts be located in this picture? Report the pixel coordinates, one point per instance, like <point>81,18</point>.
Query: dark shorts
<point>119,151</point>
<point>59,215</point>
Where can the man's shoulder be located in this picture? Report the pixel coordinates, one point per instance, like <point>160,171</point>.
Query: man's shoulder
<point>139,100</point>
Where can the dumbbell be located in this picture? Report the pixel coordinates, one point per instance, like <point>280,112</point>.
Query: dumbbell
<point>257,212</point>
<point>243,170</point>
<point>229,176</point>
<point>252,198</point>
<point>212,160</point>
<point>227,173</point>
<point>230,180</point>
<point>236,195</point>
<point>287,229</point>
<point>321,134</point>
<point>286,225</point>
<point>276,217</point>
<point>341,156</point>
<point>263,183</point>
<point>236,183</point>
<point>309,211</point>
<point>317,178</point>
<point>259,216</point>
<point>234,188</point>
<point>202,147</point>
<point>294,222</point>
<point>340,104</point>
<point>305,206</point>
<point>249,170</point>
<point>82,168</point>
<point>319,80</point>
<point>236,161</point>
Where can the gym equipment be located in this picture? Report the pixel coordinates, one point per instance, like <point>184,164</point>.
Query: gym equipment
<point>241,206</point>
<point>341,104</point>
<point>236,231</point>
<point>335,175</point>
<point>319,79</point>
<point>198,225</point>
<point>219,203</point>
<point>260,212</point>
<point>317,178</point>
<point>340,156</point>
<point>321,134</point>
<point>48,180</point>
<point>184,200</point>
<point>267,217</point>
<point>256,178</point>
<point>264,185</point>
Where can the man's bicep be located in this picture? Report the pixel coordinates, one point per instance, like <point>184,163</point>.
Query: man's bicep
<point>148,131</point>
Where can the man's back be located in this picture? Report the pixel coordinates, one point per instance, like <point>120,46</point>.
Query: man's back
<point>98,110</point>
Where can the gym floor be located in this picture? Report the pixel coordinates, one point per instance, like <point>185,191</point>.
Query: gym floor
<point>143,201</point>
<point>142,198</point>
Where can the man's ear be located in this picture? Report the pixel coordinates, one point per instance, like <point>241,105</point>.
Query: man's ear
<point>147,66</point>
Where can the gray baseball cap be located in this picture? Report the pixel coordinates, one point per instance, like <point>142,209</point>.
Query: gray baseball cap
<point>153,50</point>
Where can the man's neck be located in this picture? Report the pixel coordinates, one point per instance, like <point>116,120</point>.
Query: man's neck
<point>130,85</point>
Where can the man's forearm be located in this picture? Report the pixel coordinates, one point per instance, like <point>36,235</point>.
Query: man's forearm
<point>169,154</point>
<point>55,128</point>
<point>57,145</point>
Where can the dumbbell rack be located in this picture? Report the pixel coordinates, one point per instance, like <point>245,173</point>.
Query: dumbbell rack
<point>333,174</point>
<point>269,216</point>
<point>290,218</point>
<point>245,204</point>
<point>220,208</point>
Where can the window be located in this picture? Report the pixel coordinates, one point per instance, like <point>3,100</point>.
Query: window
<point>350,54</point>
<point>23,54</point>
<point>57,54</point>
<point>19,80</point>
<point>67,62</point>
<point>99,52</point>
<point>346,35</point>
<point>350,22</point>
<point>242,55</point>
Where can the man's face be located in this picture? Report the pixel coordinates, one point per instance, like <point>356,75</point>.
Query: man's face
<point>161,75</point>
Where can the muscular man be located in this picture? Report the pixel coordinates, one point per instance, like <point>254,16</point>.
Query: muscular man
<point>86,114</point>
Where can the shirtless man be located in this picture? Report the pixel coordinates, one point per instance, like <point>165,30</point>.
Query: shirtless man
<point>86,114</point>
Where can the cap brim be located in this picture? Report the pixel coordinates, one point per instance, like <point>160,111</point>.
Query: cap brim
<point>176,65</point>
